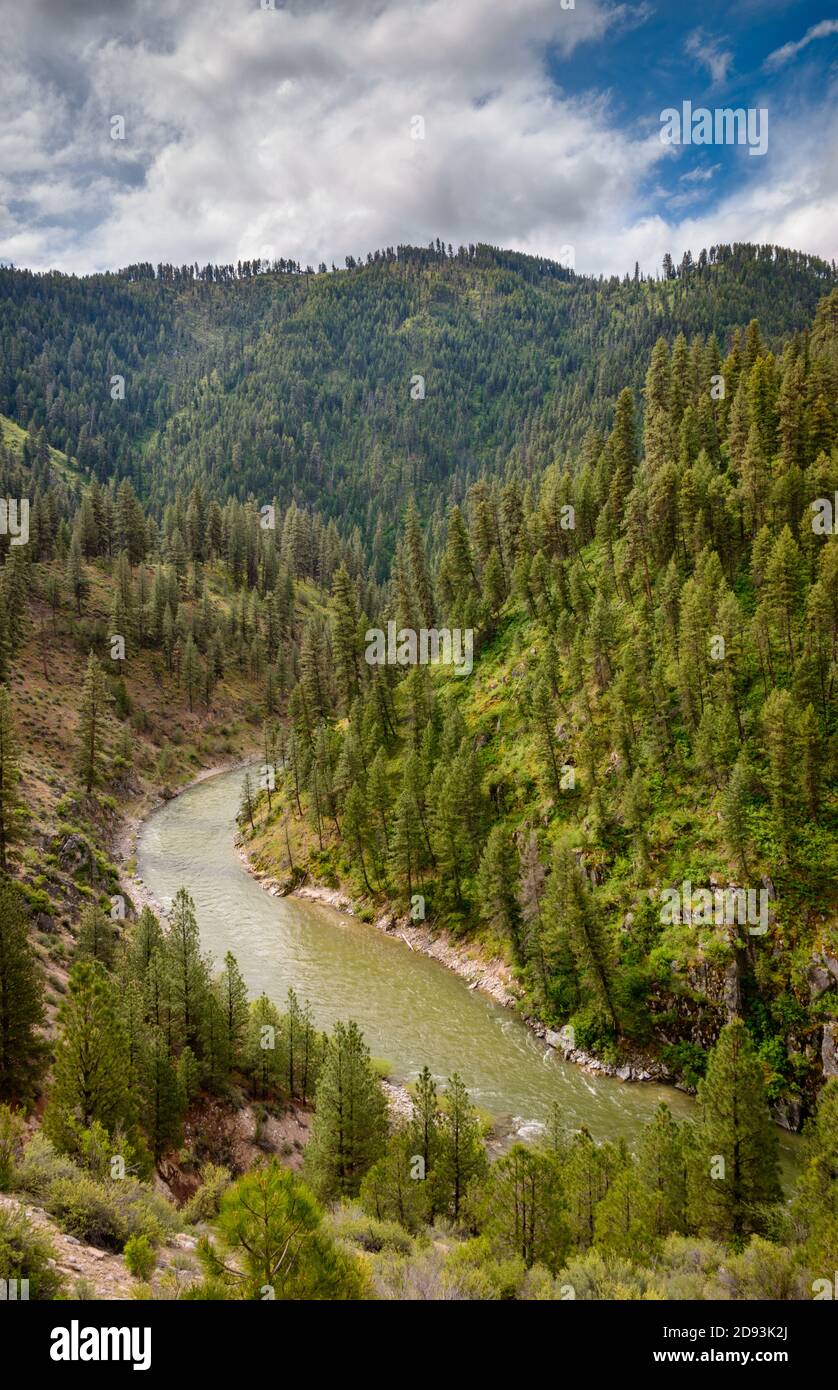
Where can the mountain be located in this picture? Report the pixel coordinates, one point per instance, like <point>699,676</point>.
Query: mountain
<point>304,385</point>
<point>627,794</point>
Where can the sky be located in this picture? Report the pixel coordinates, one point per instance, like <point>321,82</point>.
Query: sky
<point>317,129</point>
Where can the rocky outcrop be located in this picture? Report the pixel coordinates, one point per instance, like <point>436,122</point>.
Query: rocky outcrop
<point>829,1050</point>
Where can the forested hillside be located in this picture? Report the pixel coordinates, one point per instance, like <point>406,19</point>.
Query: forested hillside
<point>628,793</point>
<point>651,712</point>
<point>305,385</point>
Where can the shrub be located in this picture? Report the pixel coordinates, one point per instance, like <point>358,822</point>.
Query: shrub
<point>205,1204</point>
<point>25,1254</point>
<point>370,1234</point>
<point>11,1145</point>
<point>88,1210</point>
<point>41,1166</point>
<point>140,1257</point>
<point>108,1213</point>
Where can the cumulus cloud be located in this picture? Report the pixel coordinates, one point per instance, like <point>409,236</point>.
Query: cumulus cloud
<point>288,132</point>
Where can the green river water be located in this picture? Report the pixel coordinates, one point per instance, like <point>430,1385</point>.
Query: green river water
<point>413,1011</point>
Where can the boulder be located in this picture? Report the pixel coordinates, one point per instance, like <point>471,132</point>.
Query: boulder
<point>819,980</point>
<point>829,1049</point>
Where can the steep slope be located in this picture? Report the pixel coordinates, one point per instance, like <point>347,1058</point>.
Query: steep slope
<point>306,385</point>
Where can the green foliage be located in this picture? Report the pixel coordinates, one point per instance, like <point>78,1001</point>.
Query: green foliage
<point>733,1159</point>
<point>108,1213</point>
<point>272,1226</point>
<point>12,1129</point>
<point>26,1254</point>
<point>140,1257</point>
<point>350,1126</point>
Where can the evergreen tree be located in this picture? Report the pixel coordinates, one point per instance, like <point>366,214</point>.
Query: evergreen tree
<point>733,1162</point>
<point>496,883</point>
<point>462,1156</point>
<point>350,1123</point>
<point>10,805</point>
<point>21,1000</point>
<point>522,1207</point>
<point>273,1243</point>
<point>96,937</point>
<point>232,996</point>
<point>95,699</point>
<point>187,971</point>
<point>90,1071</point>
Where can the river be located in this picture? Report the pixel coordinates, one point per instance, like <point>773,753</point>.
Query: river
<point>413,1010</point>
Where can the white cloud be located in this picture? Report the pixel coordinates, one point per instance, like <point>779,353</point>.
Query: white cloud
<point>823,30</point>
<point>291,129</point>
<point>702,173</point>
<point>710,53</point>
<point>796,207</point>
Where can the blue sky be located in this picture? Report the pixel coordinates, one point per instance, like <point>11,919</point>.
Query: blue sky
<point>292,130</point>
<point>758,53</point>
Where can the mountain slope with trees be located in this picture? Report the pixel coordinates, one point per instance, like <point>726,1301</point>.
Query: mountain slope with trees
<point>652,706</point>
<point>305,384</point>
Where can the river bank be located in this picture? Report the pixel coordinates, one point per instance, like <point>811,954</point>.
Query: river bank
<point>491,975</point>
<point>125,841</point>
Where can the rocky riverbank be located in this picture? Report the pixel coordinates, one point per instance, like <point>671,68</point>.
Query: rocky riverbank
<point>490,974</point>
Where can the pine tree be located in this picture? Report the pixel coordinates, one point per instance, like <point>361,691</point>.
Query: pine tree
<point>735,807</point>
<point>270,1237</point>
<point>21,1000</point>
<point>620,1226</point>
<point>623,449</point>
<point>657,423</point>
<point>95,699</point>
<point>262,1049</point>
<point>811,760</point>
<point>543,714</point>
<point>496,884</point>
<point>356,828</point>
<point>424,1130</point>
<point>462,1156</point>
<point>350,1123</point>
<point>586,1173</point>
<point>345,619</point>
<point>10,804</point>
<point>77,581</point>
<point>779,722</point>
<point>576,930</point>
<point>390,1190</point>
<point>165,1093</point>
<point>815,1207</point>
<point>96,937</point>
<point>232,996</point>
<point>522,1207</point>
<point>187,971</point>
<point>406,842</point>
<point>190,671</point>
<point>662,1174</point>
<point>420,578</point>
<point>247,804</point>
<point>733,1159</point>
<point>90,1071</point>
